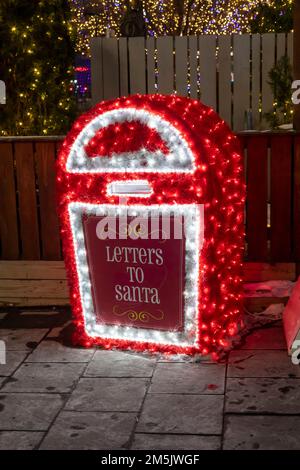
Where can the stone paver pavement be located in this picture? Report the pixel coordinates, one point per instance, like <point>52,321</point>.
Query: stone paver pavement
<point>55,396</point>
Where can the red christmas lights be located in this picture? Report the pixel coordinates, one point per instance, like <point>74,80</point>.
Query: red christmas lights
<point>214,180</point>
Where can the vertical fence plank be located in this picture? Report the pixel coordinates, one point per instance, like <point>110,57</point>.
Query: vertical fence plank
<point>241,70</point>
<point>281,202</point>
<point>123,61</point>
<point>27,200</point>
<point>8,210</point>
<point>208,70</point>
<point>45,162</point>
<point>280,45</point>
<point>181,65</point>
<point>225,78</point>
<point>290,47</point>
<point>137,65</point>
<point>256,80</point>
<point>96,70</point>
<point>110,59</point>
<point>296,199</point>
<point>257,195</point>
<point>193,59</point>
<point>268,61</point>
<point>165,64</point>
<point>150,46</point>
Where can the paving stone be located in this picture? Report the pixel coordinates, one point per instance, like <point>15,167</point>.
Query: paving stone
<point>263,395</point>
<point>266,338</point>
<point>2,380</point>
<point>261,364</point>
<point>58,331</point>
<point>188,378</point>
<point>28,411</point>
<point>175,442</point>
<point>119,364</point>
<point>22,339</point>
<point>19,440</point>
<point>13,360</point>
<point>262,432</point>
<point>108,394</point>
<point>95,431</point>
<point>45,377</point>
<point>54,351</point>
<point>183,414</point>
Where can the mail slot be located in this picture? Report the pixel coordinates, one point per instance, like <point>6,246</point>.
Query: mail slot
<point>151,202</point>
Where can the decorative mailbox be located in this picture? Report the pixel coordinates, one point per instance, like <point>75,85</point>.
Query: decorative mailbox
<point>151,201</point>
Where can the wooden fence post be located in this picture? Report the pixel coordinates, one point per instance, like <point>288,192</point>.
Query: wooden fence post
<point>297,58</point>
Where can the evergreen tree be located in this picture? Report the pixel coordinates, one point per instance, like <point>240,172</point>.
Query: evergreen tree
<point>273,16</point>
<point>36,64</point>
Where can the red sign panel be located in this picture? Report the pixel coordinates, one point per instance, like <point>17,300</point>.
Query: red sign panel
<point>135,281</point>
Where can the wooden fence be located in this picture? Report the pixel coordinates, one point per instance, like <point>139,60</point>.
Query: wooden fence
<point>31,270</point>
<point>228,73</point>
<point>29,227</point>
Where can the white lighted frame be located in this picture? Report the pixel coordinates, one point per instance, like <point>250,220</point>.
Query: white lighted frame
<point>193,215</point>
<point>179,158</point>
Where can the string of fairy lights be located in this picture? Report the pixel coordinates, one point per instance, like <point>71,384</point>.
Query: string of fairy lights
<point>163,17</point>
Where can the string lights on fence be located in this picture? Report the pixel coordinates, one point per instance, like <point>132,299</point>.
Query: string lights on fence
<point>96,18</point>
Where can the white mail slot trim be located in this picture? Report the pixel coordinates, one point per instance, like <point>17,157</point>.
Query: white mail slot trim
<point>133,188</point>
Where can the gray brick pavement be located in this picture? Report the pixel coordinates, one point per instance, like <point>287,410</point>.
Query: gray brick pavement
<point>55,396</point>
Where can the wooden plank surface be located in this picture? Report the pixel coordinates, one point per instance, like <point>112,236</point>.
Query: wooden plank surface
<point>252,304</point>
<point>281,202</point>
<point>150,46</point>
<point>257,196</point>
<point>45,165</point>
<point>258,272</point>
<point>137,65</point>
<point>193,58</point>
<point>123,61</point>
<point>27,200</point>
<point>110,58</point>
<point>253,272</point>
<point>290,47</point>
<point>165,64</point>
<point>8,210</point>
<point>38,288</point>
<point>96,70</point>
<point>280,45</point>
<point>260,304</point>
<point>208,70</point>
<point>296,198</point>
<point>224,83</point>
<point>32,270</point>
<point>241,87</point>
<point>43,283</point>
<point>181,65</point>
<point>33,302</point>
<point>256,80</point>
<point>268,61</point>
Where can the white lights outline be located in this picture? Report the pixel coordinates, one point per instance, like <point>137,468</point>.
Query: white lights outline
<point>180,158</point>
<point>194,235</point>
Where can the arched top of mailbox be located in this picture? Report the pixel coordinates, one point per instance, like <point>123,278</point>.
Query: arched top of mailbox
<point>179,156</point>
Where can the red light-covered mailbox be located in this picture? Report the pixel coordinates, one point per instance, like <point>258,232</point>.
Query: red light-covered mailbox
<point>151,201</point>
